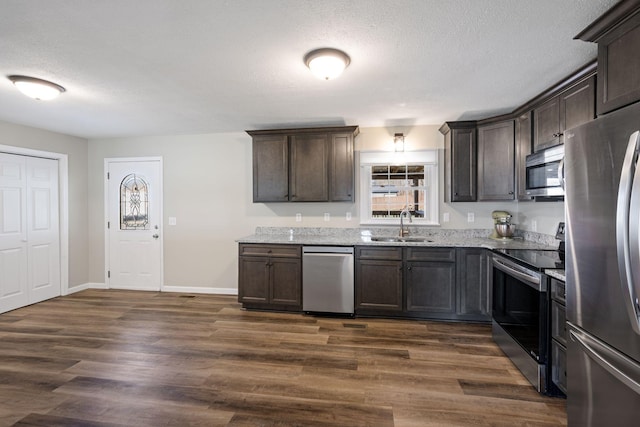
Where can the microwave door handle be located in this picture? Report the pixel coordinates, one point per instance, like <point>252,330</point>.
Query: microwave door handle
<point>626,195</point>
<point>561,173</point>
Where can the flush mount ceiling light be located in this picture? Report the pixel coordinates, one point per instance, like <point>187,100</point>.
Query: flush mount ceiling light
<point>327,63</point>
<point>37,88</point>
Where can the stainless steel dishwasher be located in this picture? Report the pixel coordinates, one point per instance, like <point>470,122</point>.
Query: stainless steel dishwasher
<point>327,279</point>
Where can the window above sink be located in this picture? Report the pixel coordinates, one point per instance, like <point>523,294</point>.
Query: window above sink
<point>391,181</point>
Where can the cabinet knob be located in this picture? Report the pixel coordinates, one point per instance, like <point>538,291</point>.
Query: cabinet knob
<point>409,268</point>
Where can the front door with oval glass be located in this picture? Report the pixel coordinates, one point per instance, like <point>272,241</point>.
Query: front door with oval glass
<point>134,239</point>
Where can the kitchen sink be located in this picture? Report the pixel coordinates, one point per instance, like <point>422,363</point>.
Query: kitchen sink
<point>399,239</point>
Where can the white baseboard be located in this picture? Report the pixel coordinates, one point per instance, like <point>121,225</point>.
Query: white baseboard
<point>200,290</point>
<point>84,286</point>
<point>179,289</point>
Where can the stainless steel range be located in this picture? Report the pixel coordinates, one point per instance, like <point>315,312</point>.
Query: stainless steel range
<point>520,310</point>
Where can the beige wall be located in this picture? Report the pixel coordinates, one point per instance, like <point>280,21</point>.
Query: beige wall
<point>76,150</point>
<point>208,188</point>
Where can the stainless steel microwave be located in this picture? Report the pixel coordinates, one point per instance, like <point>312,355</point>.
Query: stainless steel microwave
<point>544,172</point>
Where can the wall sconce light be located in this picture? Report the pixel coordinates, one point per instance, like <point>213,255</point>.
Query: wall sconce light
<point>327,63</point>
<point>36,88</point>
<point>398,142</point>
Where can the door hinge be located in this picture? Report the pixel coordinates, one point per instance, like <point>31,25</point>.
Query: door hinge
<point>108,274</point>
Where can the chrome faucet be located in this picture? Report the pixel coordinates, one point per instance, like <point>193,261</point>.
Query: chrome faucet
<point>407,212</point>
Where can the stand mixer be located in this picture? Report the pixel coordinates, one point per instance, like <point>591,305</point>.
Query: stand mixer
<point>502,227</point>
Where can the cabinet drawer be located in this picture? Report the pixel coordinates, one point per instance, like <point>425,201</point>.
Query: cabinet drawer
<point>559,365</point>
<point>558,322</point>
<point>558,291</point>
<point>287,251</point>
<point>373,252</point>
<point>431,254</point>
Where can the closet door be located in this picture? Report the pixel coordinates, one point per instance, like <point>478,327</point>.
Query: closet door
<point>13,232</point>
<point>29,231</point>
<point>43,233</point>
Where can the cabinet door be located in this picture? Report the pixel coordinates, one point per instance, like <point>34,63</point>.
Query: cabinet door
<point>341,172</point>
<point>308,176</point>
<point>378,285</point>
<point>577,105</point>
<point>286,282</point>
<point>546,130</point>
<point>431,287</point>
<point>463,165</point>
<point>270,169</point>
<point>619,65</point>
<point>496,161</point>
<point>523,148</point>
<point>472,283</point>
<point>253,283</point>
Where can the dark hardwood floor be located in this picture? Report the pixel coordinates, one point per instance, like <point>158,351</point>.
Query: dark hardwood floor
<point>124,358</point>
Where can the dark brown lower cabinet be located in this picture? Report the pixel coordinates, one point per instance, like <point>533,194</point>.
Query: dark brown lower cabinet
<point>378,281</point>
<point>422,282</point>
<point>270,277</point>
<point>558,335</point>
<point>472,283</point>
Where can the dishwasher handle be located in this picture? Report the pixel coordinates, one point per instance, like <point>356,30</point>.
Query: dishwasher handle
<point>327,250</point>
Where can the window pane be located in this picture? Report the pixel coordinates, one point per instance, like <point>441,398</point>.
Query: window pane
<point>134,203</point>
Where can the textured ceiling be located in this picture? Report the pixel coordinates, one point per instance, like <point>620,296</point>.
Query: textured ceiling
<point>158,67</point>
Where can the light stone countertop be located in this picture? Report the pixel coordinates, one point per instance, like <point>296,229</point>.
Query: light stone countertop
<point>557,274</point>
<point>468,238</point>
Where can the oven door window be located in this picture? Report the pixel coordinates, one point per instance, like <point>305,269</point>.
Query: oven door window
<point>543,176</point>
<point>517,307</point>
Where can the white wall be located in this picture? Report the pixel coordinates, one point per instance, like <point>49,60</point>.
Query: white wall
<point>208,188</point>
<point>76,150</point>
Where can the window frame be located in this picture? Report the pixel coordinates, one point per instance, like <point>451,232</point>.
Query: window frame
<point>428,158</point>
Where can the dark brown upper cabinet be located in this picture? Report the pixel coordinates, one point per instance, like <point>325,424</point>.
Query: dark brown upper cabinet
<point>617,33</point>
<point>304,165</point>
<point>568,109</point>
<point>524,132</point>
<point>496,161</point>
<point>460,161</point>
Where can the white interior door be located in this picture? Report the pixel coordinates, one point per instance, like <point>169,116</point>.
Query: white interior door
<point>13,232</point>
<point>43,230</point>
<point>134,210</point>
<point>29,231</point>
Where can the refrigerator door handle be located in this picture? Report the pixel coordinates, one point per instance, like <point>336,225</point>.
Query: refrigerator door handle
<point>561,173</point>
<point>613,362</point>
<point>626,195</point>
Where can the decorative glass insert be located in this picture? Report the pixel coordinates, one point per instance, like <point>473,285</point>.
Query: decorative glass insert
<point>134,203</point>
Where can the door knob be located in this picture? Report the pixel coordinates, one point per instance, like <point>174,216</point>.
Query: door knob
<point>155,236</point>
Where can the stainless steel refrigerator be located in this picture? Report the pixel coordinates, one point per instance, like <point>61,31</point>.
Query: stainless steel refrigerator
<point>602,206</point>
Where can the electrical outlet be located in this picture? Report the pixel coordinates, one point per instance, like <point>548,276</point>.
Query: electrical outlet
<point>445,217</point>
<point>298,217</point>
<point>327,216</point>
<point>172,220</point>
<point>471,217</point>
<point>348,216</point>
<point>534,225</point>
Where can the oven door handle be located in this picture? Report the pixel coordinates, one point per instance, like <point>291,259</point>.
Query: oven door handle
<point>529,279</point>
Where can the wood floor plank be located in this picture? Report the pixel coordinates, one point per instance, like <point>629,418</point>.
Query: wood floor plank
<point>108,358</point>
